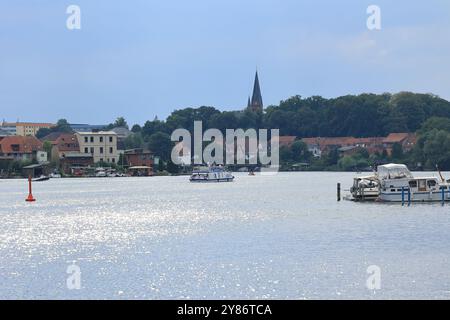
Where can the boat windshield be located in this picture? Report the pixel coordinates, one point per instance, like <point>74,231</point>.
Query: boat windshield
<point>394,171</point>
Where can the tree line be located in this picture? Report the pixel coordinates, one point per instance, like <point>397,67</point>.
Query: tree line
<point>365,115</point>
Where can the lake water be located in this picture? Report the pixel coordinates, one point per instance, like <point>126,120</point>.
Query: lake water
<point>262,237</point>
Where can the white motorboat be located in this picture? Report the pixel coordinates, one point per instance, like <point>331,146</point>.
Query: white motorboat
<point>397,184</point>
<point>365,188</point>
<point>100,173</point>
<point>211,174</point>
<point>41,178</point>
<point>55,175</point>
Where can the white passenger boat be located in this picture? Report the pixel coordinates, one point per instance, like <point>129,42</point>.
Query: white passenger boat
<point>211,174</point>
<point>397,184</point>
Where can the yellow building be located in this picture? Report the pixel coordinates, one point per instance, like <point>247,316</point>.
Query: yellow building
<point>27,128</point>
<point>102,145</point>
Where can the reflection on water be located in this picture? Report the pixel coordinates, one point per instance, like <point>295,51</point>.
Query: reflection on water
<point>282,236</point>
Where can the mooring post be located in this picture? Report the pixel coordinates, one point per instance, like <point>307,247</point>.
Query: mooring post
<point>403,196</point>
<point>338,192</point>
<point>443,195</point>
<point>409,197</point>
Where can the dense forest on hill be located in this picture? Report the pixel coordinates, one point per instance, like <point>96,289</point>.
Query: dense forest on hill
<point>359,116</point>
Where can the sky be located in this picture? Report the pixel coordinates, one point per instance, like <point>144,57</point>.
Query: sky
<point>143,58</point>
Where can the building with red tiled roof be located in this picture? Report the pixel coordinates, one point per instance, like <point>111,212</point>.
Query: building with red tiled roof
<point>20,148</point>
<point>62,144</point>
<point>286,141</point>
<point>319,145</point>
<point>140,158</point>
<point>406,140</point>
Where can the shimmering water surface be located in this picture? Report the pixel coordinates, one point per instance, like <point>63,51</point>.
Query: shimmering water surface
<point>274,237</point>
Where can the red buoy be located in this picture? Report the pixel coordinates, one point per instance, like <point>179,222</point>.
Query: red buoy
<point>30,195</point>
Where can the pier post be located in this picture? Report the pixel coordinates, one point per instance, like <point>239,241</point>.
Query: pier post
<point>403,196</point>
<point>443,195</point>
<point>409,197</point>
<point>338,192</point>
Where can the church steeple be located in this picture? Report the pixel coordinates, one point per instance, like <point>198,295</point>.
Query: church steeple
<point>256,104</point>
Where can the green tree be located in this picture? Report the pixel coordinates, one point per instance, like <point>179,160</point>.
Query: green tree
<point>161,145</point>
<point>397,152</point>
<point>134,141</point>
<point>136,128</point>
<point>61,126</point>
<point>47,146</point>
<point>300,152</point>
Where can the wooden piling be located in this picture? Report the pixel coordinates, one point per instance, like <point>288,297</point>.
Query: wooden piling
<point>403,196</point>
<point>338,192</point>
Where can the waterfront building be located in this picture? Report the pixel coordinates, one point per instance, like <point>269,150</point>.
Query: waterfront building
<point>21,148</point>
<point>76,163</point>
<point>140,162</point>
<point>102,145</point>
<point>139,157</point>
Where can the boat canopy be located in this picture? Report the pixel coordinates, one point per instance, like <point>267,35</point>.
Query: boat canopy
<point>394,171</point>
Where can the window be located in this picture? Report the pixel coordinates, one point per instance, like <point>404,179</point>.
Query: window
<point>114,160</point>
<point>101,139</point>
<point>86,139</point>
<point>86,150</point>
<point>110,149</point>
<point>413,184</point>
<point>92,139</point>
<point>110,139</point>
<point>431,183</point>
<point>101,149</point>
<point>422,185</point>
<point>92,150</point>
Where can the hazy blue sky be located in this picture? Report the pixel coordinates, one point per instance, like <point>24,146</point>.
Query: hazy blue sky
<point>144,58</point>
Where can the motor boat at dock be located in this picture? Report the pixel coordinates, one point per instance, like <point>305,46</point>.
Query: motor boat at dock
<point>395,183</point>
<point>41,178</point>
<point>365,188</point>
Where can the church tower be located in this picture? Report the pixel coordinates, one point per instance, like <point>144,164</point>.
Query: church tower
<point>256,103</point>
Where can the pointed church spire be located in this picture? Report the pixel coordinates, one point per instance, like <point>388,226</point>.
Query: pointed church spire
<point>249,103</point>
<point>256,103</point>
